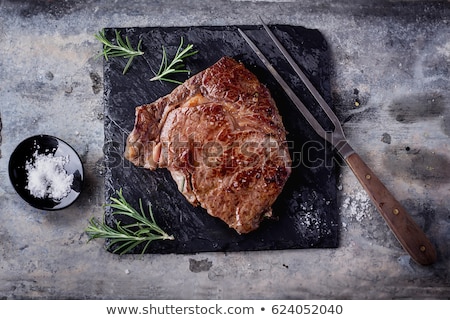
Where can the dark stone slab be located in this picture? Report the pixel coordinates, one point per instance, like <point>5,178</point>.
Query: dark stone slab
<point>306,213</point>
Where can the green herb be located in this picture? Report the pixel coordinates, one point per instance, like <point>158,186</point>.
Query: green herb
<point>127,237</point>
<point>120,49</point>
<point>176,66</point>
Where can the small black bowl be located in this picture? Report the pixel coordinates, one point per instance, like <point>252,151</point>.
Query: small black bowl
<point>45,144</point>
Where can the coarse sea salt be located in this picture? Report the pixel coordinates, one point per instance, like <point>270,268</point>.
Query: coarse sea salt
<point>358,206</point>
<point>47,177</point>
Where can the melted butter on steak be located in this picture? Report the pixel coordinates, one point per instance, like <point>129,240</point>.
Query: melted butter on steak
<point>221,137</point>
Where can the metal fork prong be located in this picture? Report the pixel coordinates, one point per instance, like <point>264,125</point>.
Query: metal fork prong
<point>323,104</point>
<point>308,116</point>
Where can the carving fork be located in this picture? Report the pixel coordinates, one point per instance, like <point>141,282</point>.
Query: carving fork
<point>406,230</point>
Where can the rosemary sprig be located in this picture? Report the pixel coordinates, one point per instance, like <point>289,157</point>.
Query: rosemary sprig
<point>176,65</point>
<point>127,237</point>
<point>120,49</point>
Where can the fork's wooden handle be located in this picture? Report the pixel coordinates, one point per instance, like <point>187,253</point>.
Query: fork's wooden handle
<point>408,233</point>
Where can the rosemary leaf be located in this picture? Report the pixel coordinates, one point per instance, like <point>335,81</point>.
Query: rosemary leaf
<point>176,65</point>
<point>120,49</point>
<point>127,237</point>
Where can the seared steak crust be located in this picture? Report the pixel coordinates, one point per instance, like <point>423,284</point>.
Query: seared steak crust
<point>222,138</point>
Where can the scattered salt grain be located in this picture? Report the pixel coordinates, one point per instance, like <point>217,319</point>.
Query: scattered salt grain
<point>47,177</point>
<point>358,206</point>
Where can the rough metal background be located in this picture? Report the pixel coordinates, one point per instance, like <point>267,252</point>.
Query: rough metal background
<point>390,88</point>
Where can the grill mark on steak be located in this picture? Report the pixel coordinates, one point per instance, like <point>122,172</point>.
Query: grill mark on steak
<point>222,139</point>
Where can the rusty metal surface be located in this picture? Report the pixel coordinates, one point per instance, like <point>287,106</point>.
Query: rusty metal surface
<point>390,83</point>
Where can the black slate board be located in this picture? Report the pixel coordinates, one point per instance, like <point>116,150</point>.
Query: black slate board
<point>306,211</point>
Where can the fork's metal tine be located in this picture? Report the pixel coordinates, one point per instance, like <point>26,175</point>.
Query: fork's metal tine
<point>308,116</point>
<point>335,137</point>
<point>326,108</point>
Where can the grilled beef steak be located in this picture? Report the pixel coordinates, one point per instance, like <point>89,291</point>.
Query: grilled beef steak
<point>222,139</point>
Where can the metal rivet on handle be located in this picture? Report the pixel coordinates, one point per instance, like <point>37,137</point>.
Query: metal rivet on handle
<point>395,211</point>
<point>422,248</point>
<point>368,176</point>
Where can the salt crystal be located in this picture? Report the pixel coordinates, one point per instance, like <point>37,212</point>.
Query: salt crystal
<point>47,177</point>
<point>358,206</point>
